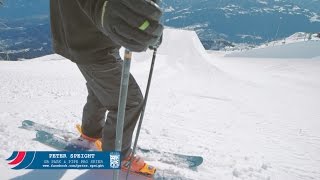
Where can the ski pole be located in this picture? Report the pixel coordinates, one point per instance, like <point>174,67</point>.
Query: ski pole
<point>143,110</point>
<point>122,105</point>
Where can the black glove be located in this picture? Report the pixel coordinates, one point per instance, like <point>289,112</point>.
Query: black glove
<point>134,24</point>
<point>157,44</point>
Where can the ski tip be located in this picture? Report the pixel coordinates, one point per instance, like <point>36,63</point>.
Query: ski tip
<point>196,161</point>
<point>27,123</point>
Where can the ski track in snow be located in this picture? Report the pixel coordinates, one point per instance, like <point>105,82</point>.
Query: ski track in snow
<point>249,118</point>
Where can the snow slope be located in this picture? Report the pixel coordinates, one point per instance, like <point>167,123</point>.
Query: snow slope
<point>307,49</point>
<point>249,118</point>
<point>295,46</point>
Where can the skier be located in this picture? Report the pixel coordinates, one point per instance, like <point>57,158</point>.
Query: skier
<point>90,33</point>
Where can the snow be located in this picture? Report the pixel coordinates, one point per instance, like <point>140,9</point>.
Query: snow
<point>250,118</point>
<point>307,49</point>
<point>298,45</point>
<point>315,18</point>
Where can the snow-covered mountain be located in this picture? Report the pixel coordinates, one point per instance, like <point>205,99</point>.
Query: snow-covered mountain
<point>24,29</point>
<point>295,38</point>
<point>24,24</point>
<point>218,22</point>
<point>250,118</point>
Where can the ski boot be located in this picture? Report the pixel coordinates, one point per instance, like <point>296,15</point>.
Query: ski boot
<point>85,143</point>
<point>138,166</point>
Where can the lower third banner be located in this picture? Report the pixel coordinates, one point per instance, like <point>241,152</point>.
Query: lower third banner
<point>64,160</point>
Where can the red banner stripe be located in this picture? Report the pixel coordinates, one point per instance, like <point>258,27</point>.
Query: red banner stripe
<point>19,158</point>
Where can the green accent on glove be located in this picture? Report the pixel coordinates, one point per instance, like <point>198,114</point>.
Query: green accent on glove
<point>145,25</point>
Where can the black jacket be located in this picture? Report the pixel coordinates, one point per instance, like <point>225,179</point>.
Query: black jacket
<point>76,35</point>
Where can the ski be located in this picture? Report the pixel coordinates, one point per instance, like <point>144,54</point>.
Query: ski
<point>64,145</point>
<point>181,160</point>
<point>31,125</point>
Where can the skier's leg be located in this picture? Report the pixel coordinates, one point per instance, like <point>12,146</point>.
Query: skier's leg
<point>133,108</point>
<point>104,81</point>
<point>93,117</point>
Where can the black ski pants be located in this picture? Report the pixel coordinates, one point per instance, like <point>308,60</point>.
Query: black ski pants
<point>103,84</point>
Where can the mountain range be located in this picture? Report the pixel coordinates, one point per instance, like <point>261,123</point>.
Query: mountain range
<point>243,21</point>
<point>25,27</point>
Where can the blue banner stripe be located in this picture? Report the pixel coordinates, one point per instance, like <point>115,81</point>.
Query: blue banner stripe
<point>13,156</point>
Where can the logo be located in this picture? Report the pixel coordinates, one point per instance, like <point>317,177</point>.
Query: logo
<point>115,160</point>
<point>21,159</point>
